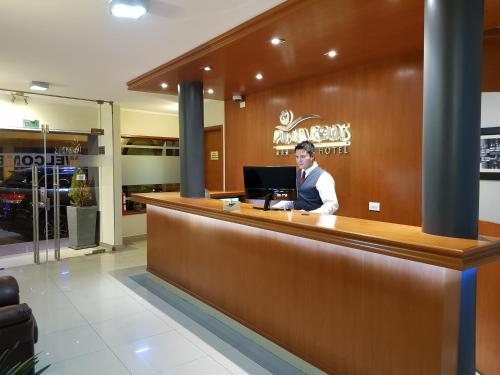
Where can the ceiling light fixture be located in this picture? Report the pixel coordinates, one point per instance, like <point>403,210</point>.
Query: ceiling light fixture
<point>332,53</point>
<point>259,76</point>
<point>129,8</point>
<point>19,95</point>
<point>164,85</point>
<point>210,91</point>
<point>39,86</point>
<point>207,68</point>
<point>277,41</point>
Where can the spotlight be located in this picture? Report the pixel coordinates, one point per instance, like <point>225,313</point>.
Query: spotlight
<point>277,41</point>
<point>331,53</point>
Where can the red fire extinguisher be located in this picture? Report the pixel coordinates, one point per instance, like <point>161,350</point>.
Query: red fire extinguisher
<point>124,203</point>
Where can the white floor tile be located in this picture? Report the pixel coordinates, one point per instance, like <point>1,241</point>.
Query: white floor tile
<point>107,309</point>
<point>101,362</point>
<point>157,353</point>
<point>43,298</point>
<point>202,366</point>
<point>62,345</point>
<point>94,319</point>
<point>129,328</point>
<point>57,319</point>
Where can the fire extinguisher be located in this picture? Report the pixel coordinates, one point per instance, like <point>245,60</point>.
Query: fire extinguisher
<point>124,203</point>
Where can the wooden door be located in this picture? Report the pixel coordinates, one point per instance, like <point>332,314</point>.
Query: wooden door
<point>213,158</point>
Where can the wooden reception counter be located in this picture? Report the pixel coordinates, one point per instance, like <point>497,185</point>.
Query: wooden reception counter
<point>350,296</point>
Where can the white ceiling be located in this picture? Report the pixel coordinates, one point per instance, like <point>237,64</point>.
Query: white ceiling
<point>83,51</point>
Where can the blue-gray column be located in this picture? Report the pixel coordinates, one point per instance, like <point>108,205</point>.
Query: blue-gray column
<point>452,113</point>
<point>191,139</point>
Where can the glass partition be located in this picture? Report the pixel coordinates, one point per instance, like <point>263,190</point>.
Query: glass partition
<point>44,143</point>
<point>149,164</point>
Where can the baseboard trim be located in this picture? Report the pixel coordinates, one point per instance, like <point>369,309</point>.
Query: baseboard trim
<point>109,247</point>
<point>140,237</point>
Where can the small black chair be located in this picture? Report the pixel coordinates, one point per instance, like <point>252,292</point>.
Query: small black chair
<point>18,327</point>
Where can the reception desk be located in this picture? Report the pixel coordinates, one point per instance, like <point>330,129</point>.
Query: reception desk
<point>350,296</point>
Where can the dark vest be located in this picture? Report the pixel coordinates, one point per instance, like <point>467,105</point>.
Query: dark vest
<point>308,196</point>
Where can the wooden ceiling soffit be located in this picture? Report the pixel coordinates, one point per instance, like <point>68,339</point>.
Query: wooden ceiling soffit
<point>149,81</point>
<point>360,30</point>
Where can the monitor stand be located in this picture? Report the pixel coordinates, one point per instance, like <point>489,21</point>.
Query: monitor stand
<point>267,202</point>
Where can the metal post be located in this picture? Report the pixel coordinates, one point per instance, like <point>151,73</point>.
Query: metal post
<point>57,233</point>
<point>34,199</point>
<point>46,201</point>
<point>192,138</point>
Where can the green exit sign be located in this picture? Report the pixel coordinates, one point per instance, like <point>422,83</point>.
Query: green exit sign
<point>27,124</point>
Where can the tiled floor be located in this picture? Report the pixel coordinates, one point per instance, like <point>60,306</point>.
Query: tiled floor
<point>103,314</point>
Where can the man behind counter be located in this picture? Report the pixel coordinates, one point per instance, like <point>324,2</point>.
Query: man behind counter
<point>315,186</point>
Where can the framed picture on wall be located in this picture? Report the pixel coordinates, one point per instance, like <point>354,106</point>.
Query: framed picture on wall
<point>490,154</point>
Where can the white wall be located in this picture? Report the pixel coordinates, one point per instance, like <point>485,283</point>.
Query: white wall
<point>134,225</point>
<point>61,114</point>
<point>213,113</point>
<point>135,122</point>
<point>489,191</point>
<point>110,177</point>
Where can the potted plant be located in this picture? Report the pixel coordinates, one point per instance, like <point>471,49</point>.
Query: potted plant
<point>82,214</point>
<point>26,367</point>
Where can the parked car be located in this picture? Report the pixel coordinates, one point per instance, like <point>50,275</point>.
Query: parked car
<point>16,210</point>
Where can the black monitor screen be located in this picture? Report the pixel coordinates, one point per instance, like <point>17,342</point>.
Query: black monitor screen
<point>260,182</point>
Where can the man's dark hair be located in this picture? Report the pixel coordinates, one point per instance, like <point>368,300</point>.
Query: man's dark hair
<point>308,146</point>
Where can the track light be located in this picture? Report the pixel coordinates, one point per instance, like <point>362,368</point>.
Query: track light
<point>129,8</point>
<point>18,95</point>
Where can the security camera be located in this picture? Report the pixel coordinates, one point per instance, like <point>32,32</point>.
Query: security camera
<point>238,98</point>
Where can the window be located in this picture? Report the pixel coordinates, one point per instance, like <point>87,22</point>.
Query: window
<point>150,146</point>
<point>142,173</point>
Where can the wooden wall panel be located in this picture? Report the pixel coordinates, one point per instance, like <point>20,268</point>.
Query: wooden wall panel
<point>488,309</point>
<point>491,63</point>
<point>382,102</point>
<point>213,168</point>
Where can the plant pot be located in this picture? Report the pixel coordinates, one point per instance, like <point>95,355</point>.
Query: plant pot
<point>82,226</point>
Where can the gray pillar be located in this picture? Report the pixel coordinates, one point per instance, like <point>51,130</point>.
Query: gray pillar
<point>452,113</point>
<point>191,139</point>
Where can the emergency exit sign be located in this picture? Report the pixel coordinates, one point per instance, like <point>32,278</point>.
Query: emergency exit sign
<point>27,124</point>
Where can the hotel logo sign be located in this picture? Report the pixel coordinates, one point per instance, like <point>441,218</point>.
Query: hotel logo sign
<point>328,139</point>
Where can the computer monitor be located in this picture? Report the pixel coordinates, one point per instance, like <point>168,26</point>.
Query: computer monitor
<point>270,183</point>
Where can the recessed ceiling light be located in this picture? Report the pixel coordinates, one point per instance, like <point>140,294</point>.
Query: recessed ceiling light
<point>259,76</point>
<point>210,91</point>
<point>39,86</point>
<point>164,85</point>
<point>277,41</point>
<point>332,53</point>
<point>129,8</point>
<point>134,9</point>
<point>207,68</point>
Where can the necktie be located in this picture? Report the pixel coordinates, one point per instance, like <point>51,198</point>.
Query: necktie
<point>302,177</point>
